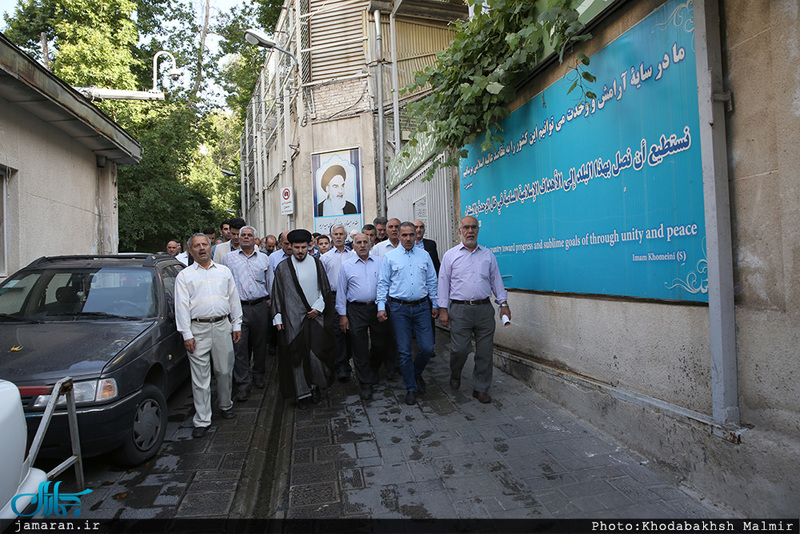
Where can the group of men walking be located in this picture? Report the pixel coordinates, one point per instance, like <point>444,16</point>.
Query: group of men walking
<point>364,303</point>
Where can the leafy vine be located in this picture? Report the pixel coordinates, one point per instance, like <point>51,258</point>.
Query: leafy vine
<point>475,79</point>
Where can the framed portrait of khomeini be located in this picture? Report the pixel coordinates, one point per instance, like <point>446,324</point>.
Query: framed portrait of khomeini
<point>337,188</point>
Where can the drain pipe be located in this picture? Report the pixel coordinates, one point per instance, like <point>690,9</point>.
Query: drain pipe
<point>381,135</point>
<point>712,97</point>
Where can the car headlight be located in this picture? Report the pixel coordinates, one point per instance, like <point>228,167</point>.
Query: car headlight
<point>101,390</point>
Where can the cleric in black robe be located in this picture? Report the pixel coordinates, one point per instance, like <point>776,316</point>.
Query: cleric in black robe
<point>303,311</point>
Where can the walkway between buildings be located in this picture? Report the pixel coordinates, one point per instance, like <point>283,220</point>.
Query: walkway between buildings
<point>451,457</point>
<point>446,457</point>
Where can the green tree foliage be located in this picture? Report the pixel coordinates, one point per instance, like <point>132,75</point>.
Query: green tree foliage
<point>178,187</point>
<point>240,61</point>
<point>477,76</point>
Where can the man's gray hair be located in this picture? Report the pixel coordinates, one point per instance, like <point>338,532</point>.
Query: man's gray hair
<point>407,224</point>
<point>189,242</point>
<point>338,225</point>
<point>380,220</point>
<point>248,228</point>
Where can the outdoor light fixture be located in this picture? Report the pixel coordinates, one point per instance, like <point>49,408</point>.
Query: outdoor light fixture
<point>174,72</point>
<point>259,38</point>
<point>94,93</point>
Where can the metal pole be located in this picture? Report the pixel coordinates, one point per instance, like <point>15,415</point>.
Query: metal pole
<point>381,141</point>
<point>395,78</point>
<point>721,308</point>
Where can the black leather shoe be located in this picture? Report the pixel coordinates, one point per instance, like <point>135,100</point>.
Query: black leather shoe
<point>366,392</point>
<point>199,431</point>
<point>316,395</point>
<point>343,375</point>
<point>482,396</point>
<point>455,382</point>
<point>302,404</point>
<point>411,398</point>
<point>242,395</point>
<point>260,382</point>
<point>421,387</point>
<point>228,414</point>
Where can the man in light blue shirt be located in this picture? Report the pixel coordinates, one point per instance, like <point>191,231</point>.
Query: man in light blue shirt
<point>355,304</point>
<point>332,261</point>
<point>407,288</point>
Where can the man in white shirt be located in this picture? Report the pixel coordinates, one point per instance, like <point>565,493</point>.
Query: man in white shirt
<point>209,317</point>
<point>393,231</point>
<point>332,261</point>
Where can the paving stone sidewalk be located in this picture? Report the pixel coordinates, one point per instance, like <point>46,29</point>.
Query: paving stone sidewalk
<point>215,477</point>
<point>451,457</point>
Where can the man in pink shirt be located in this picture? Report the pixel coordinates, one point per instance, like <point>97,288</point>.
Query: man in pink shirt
<point>467,278</point>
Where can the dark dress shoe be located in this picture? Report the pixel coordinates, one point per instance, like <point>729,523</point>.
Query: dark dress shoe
<point>343,375</point>
<point>302,404</point>
<point>242,395</point>
<point>411,398</point>
<point>199,431</point>
<point>421,387</point>
<point>366,392</point>
<point>316,395</point>
<point>228,414</point>
<point>482,396</point>
<point>260,382</point>
<point>455,383</point>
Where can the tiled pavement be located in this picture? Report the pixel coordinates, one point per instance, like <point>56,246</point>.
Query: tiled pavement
<point>446,457</point>
<point>218,476</point>
<point>451,457</point>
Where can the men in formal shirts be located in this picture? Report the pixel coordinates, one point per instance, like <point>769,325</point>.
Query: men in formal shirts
<point>468,277</point>
<point>253,276</point>
<point>357,289</point>
<point>332,261</point>
<point>209,317</point>
<point>303,312</point>
<point>407,289</point>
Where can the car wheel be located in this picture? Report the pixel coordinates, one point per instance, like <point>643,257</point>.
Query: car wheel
<point>147,428</point>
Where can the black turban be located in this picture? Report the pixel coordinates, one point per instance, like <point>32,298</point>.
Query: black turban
<point>299,236</point>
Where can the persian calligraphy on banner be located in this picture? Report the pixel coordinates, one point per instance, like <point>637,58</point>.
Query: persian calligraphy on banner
<point>605,196</point>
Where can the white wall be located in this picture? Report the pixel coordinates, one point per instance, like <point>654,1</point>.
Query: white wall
<point>58,200</point>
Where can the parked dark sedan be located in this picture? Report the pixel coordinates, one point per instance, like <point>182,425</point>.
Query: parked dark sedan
<point>109,323</point>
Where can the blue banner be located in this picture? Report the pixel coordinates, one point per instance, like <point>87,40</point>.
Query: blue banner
<point>605,197</point>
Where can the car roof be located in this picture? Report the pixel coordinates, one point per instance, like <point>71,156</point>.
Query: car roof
<point>119,260</point>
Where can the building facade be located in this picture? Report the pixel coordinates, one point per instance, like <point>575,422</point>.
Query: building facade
<point>335,106</point>
<point>58,166</point>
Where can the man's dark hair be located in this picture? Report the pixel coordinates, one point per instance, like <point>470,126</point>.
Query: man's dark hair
<point>406,224</point>
<point>368,228</point>
<point>208,230</point>
<point>237,222</point>
<point>323,236</point>
<point>223,223</point>
<point>380,220</point>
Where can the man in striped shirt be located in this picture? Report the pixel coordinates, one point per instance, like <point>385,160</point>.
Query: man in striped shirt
<point>209,317</point>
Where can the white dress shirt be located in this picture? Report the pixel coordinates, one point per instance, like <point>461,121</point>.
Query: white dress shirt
<point>204,294</point>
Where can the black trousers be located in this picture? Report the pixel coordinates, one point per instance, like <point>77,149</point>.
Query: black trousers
<point>365,329</point>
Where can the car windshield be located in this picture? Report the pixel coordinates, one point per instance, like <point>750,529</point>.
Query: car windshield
<point>100,293</point>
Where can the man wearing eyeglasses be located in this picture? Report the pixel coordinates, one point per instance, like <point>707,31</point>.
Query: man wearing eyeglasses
<point>467,278</point>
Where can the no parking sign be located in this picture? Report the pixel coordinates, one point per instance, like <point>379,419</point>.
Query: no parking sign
<point>287,201</point>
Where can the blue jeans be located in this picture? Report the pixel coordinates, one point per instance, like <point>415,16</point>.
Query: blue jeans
<point>408,320</point>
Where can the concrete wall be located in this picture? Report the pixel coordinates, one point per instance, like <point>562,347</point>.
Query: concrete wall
<point>633,367</point>
<point>58,201</point>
